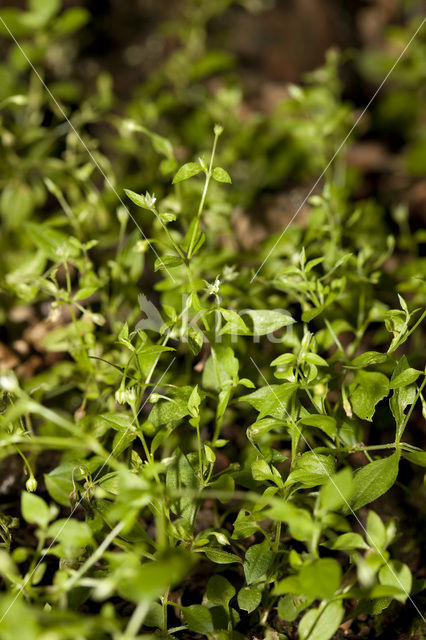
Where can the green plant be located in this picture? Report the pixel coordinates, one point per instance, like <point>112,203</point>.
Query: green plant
<point>235,438</point>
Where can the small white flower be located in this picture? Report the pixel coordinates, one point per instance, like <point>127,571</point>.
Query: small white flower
<point>131,395</point>
<point>120,395</point>
<point>213,289</point>
<point>54,315</point>
<point>150,199</point>
<point>229,273</point>
<point>123,395</point>
<point>62,252</point>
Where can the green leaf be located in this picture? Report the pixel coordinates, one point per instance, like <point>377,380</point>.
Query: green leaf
<point>310,314</point>
<point>402,397</point>
<point>284,360</point>
<point>144,201</point>
<point>174,408</point>
<point>397,574</point>
<point>257,562</point>
<point>290,605</point>
<point>152,349</point>
<point>321,578</point>
<point>261,470</point>
<point>221,369</point>
<point>347,542</point>
<point>59,483</point>
<point>366,359</point>
<point>313,263</point>
<point>220,175</point>
<point>318,579</point>
<point>194,402</point>
<point>70,21</point>
<point>162,145</point>
<point>311,469</point>
<point>408,376</point>
<point>321,623</point>
<point>272,400</point>
<point>154,617</point>
<point>35,510</point>
<point>235,325</point>
<point>314,358</point>
<point>167,262</point>
<point>299,521</point>
<point>259,323</point>
<point>187,171</point>
<point>180,474</point>
<point>85,292</point>
<point>199,238</point>
<point>48,8</point>
<point>325,423</point>
<point>337,491</point>
<point>219,591</point>
<point>198,618</point>
<point>55,244</point>
<point>264,321</point>
<point>416,457</point>
<point>376,531</point>
<point>72,534</point>
<point>249,598</point>
<point>366,391</point>
<point>149,580</point>
<point>13,19</point>
<point>220,557</point>
<point>16,203</point>
<point>373,480</point>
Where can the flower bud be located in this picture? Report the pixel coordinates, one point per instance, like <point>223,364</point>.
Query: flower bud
<point>123,395</point>
<point>141,246</point>
<point>31,484</point>
<point>73,498</point>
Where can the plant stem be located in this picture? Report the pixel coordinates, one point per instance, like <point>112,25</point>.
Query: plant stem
<point>405,422</point>
<point>135,622</point>
<point>164,605</point>
<point>277,536</point>
<point>97,555</point>
<point>203,198</point>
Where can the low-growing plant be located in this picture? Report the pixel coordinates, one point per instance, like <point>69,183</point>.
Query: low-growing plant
<point>206,442</point>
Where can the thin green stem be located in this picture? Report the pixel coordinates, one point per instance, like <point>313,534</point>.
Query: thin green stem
<point>203,198</point>
<point>405,422</point>
<point>97,555</point>
<point>169,235</point>
<point>136,620</point>
<point>200,453</point>
<point>164,605</point>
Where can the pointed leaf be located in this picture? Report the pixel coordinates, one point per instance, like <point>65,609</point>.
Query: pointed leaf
<point>220,175</point>
<point>373,480</point>
<point>258,561</point>
<point>321,623</point>
<point>187,171</point>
